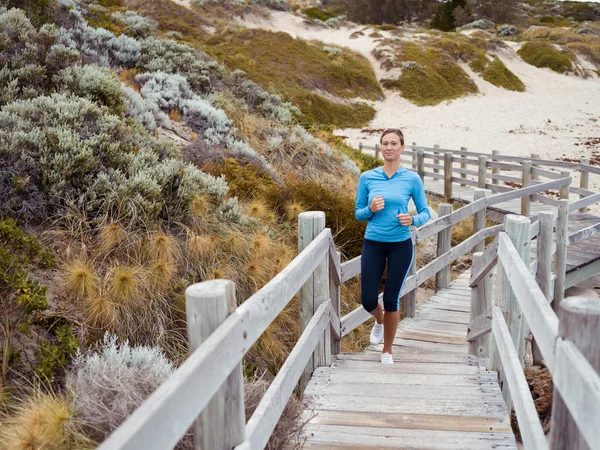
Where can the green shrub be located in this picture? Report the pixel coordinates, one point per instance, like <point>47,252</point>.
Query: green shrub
<point>318,13</point>
<point>294,68</point>
<point>21,298</point>
<point>38,11</point>
<point>98,84</point>
<point>338,208</point>
<point>52,357</point>
<point>245,180</point>
<point>496,73</point>
<point>73,153</point>
<point>542,54</point>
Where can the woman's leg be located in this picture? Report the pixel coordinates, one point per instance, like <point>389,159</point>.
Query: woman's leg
<point>400,259</point>
<point>372,264</point>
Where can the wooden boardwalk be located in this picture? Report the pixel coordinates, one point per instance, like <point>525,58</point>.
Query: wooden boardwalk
<point>580,254</point>
<point>435,396</point>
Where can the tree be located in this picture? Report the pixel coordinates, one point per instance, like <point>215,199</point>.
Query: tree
<point>462,16</point>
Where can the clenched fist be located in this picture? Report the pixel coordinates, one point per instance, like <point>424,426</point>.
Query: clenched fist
<point>377,204</point>
<point>405,219</point>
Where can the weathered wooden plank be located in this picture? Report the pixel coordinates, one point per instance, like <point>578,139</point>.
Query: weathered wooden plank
<point>587,201</point>
<point>351,402</point>
<point>267,414</point>
<point>465,181</point>
<point>363,437</point>
<point>584,233</point>
<point>527,416</point>
<point>350,269</point>
<point>378,376</point>
<point>480,325</point>
<point>488,261</point>
<point>406,367</point>
<point>401,392</point>
<point>539,315</point>
<point>480,424</point>
<point>582,273</point>
<point>185,394</point>
<point>428,337</point>
<point>440,358</point>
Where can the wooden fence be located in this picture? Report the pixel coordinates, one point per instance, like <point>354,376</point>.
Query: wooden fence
<point>570,348</point>
<point>488,170</point>
<point>206,390</point>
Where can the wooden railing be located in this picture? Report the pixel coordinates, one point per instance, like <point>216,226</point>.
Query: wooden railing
<point>522,303</point>
<point>206,390</point>
<point>487,171</point>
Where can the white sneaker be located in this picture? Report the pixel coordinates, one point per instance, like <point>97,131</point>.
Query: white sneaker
<point>377,333</point>
<point>386,358</point>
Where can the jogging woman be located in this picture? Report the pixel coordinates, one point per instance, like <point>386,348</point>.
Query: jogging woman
<point>382,200</point>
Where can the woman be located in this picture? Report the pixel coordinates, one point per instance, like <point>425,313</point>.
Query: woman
<point>382,200</point>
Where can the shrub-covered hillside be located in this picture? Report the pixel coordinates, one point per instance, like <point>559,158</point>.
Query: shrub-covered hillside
<point>132,165</point>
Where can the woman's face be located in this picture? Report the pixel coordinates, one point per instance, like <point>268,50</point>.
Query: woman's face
<point>391,147</point>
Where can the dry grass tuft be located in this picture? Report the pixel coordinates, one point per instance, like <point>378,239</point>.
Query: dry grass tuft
<point>201,245</point>
<point>257,209</point>
<point>101,312</point>
<point>261,244</point>
<point>162,246</point>
<point>175,115</point>
<point>162,272</point>
<point>80,278</point>
<point>42,422</point>
<point>111,236</point>
<point>200,206</point>
<point>292,209</point>
<point>125,284</point>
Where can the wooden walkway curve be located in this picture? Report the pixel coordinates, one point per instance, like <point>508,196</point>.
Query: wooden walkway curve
<point>435,395</point>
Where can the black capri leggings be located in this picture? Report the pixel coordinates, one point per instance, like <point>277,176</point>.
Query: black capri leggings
<point>399,256</point>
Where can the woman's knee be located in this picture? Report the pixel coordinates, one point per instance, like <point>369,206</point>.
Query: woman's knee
<point>369,304</point>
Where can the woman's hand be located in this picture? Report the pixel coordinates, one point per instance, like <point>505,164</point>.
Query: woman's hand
<point>405,219</point>
<point>377,204</point>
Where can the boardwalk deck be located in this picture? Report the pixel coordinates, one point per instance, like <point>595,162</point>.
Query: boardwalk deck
<point>435,395</point>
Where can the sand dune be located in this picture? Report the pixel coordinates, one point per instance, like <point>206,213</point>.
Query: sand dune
<point>554,117</point>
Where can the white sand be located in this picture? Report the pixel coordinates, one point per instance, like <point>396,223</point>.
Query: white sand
<point>556,113</point>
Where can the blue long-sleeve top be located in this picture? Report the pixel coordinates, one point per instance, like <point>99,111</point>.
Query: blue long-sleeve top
<point>396,191</point>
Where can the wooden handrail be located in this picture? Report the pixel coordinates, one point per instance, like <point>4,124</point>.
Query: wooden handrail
<point>527,416</point>
<point>269,410</point>
<point>539,315</point>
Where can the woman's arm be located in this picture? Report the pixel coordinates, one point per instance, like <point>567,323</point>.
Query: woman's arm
<point>420,199</point>
<point>362,211</point>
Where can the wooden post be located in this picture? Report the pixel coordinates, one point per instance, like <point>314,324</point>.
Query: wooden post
<point>564,190</point>
<point>560,257</point>
<point>544,253</point>
<point>377,151</point>
<point>517,228</point>
<point>315,290</point>
<point>421,164</point>
<point>409,300</point>
<point>579,324</point>
<point>482,176</point>
<point>584,181</point>
<point>360,147</point>
<point>222,424</point>
<point>448,177</point>
<point>444,244</point>
<point>479,218</point>
<point>435,161</point>
<point>495,170</point>
<point>462,164</point>
<point>481,301</point>
<point>335,295</point>
<point>543,276</point>
<point>533,157</point>
<point>525,182</point>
